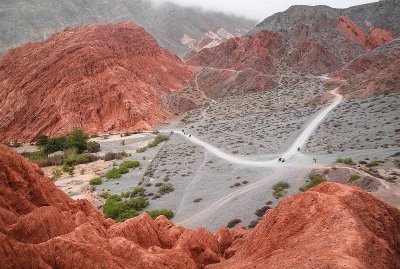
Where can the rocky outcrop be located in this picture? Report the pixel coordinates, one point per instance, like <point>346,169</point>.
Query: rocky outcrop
<point>97,77</point>
<point>375,72</point>
<point>330,226</point>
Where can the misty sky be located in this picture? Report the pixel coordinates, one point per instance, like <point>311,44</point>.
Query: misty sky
<point>260,9</point>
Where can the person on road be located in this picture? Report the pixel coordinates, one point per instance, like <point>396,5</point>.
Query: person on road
<point>283,160</point>
<point>315,160</point>
<point>298,149</point>
<point>280,159</point>
<point>190,136</point>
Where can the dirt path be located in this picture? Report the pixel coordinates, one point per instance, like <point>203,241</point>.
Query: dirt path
<point>271,160</point>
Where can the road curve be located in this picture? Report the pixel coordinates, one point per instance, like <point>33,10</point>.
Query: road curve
<point>289,153</point>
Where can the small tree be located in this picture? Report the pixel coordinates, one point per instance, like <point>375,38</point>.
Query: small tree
<point>78,139</point>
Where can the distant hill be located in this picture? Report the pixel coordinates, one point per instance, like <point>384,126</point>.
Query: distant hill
<point>23,21</point>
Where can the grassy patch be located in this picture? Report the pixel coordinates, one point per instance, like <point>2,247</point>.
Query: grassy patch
<point>280,189</point>
<point>166,188</point>
<point>141,150</point>
<point>157,140</point>
<point>165,212</point>
<point>96,181</point>
<point>374,163</point>
<point>314,181</point>
<point>353,178</point>
<point>344,160</point>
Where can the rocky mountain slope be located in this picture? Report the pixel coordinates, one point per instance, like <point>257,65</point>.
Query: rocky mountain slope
<point>310,40</point>
<point>23,21</point>
<point>327,227</point>
<point>97,77</point>
<point>375,72</point>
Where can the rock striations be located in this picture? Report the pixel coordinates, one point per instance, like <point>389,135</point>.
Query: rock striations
<point>330,226</point>
<point>375,72</point>
<point>98,77</point>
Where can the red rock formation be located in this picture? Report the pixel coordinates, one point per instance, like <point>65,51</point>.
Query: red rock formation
<point>98,77</point>
<point>259,52</point>
<point>330,226</point>
<point>376,72</point>
<point>377,37</point>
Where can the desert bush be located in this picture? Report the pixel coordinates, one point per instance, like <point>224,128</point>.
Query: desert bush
<point>84,158</point>
<point>70,158</point>
<point>93,146</point>
<point>280,189</point>
<point>113,173</point>
<point>344,160</point>
<point>141,150</point>
<point>130,164</point>
<point>166,212</point>
<point>57,173</point>
<point>96,181</point>
<point>56,144</point>
<point>104,195</point>
<point>314,181</point>
<point>354,178</point>
<point>157,140</point>
<point>373,163</point>
<point>68,169</point>
<point>119,210</point>
<point>166,188</point>
<point>14,144</point>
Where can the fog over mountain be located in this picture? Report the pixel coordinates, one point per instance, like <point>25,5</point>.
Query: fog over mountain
<point>260,9</point>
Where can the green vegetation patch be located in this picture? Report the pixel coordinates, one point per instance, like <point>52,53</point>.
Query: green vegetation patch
<point>280,189</point>
<point>96,181</point>
<point>157,140</point>
<point>344,160</point>
<point>314,181</point>
<point>353,178</point>
<point>166,188</point>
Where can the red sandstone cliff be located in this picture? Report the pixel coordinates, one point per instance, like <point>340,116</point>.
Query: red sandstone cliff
<point>330,226</point>
<point>98,77</point>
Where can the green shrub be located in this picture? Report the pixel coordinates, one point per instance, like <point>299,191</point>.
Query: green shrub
<point>57,173</point>
<point>344,160</point>
<point>78,139</point>
<point>157,140</point>
<point>166,188</point>
<point>354,178</point>
<point>71,156</point>
<point>130,164</point>
<point>280,189</point>
<point>68,169</point>
<point>120,210</point>
<point>123,170</point>
<point>166,212</point>
<point>314,181</point>
<point>113,173</point>
<point>42,140</point>
<point>104,194</point>
<point>141,150</point>
<point>56,144</point>
<point>93,146</point>
<point>374,163</point>
<point>96,181</point>
<point>84,158</point>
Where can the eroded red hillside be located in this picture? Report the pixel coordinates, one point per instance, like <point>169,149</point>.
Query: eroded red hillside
<point>98,77</point>
<point>376,72</point>
<point>330,226</point>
